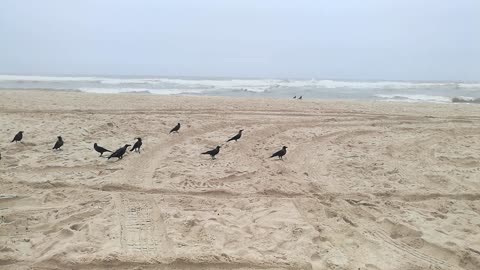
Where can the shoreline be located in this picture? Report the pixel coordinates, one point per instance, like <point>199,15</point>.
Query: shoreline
<point>454,100</point>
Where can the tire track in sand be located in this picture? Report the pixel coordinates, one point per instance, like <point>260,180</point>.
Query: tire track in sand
<point>142,229</point>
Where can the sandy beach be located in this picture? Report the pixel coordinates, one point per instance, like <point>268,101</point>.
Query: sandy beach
<point>364,185</point>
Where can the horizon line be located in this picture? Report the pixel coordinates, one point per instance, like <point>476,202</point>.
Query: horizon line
<point>216,77</point>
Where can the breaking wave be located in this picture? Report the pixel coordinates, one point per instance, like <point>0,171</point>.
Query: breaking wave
<point>338,89</point>
<point>415,98</point>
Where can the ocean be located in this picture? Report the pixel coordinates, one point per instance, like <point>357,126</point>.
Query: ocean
<point>402,91</point>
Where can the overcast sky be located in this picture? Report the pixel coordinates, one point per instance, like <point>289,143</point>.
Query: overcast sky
<point>344,39</point>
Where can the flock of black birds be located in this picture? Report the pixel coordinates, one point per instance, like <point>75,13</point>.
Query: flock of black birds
<point>138,144</point>
<point>216,150</point>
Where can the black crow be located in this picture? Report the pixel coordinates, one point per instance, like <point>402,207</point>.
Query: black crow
<point>280,153</point>
<point>58,144</point>
<point>236,137</point>
<point>100,149</point>
<point>212,152</point>
<point>137,145</point>
<point>176,128</point>
<point>120,152</point>
<point>18,137</point>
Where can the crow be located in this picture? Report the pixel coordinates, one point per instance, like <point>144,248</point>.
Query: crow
<point>18,137</point>
<point>176,128</point>
<point>280,153</point>
<point>212,152</point>
<point>58,144</point>
<point>236,137</point>
<point>137,145</point>
<point>100,149</point>
<point>119,152</point>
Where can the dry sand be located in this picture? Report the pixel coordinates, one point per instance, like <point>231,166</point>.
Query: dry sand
<point>365,185</point>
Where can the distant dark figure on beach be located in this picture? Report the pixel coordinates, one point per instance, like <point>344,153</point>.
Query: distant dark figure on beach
<point>18,137</point>
<point>137,145</point>
<point>176,128</point>
<point>294,97</point>
<point>100,149</point>
<point>300,97</point>
<point>236,137</point>
<point>119,152</point>
<point>212,152</point>
<point>58,144</point>
<point>280,153</point>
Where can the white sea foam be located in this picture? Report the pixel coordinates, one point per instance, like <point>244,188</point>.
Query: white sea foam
<point>383,90</point>
<point>243,83</point>
<point>264,84</point>
<point>111,90</point>
<point>469,85</point>
<point>139,90</point>
<point>414,98</point>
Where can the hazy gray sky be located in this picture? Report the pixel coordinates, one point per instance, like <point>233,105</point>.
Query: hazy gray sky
<point>349,39</point>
